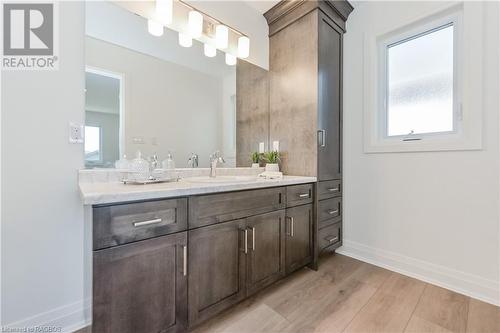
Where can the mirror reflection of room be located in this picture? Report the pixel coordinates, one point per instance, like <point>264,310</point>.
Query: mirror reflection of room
<point>151,95</point>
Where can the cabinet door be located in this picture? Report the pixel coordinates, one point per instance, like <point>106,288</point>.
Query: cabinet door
<point>298,243</point>
<point>217,269</point>
<point>330,100</point>
<point>141,287</point>
<point>266,254</point>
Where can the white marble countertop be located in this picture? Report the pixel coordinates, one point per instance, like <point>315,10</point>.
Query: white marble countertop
<point>114,192</point>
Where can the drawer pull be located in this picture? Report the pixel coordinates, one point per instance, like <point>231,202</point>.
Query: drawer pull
<point>332,212</point>
<point>334,239</point>
<point>304,195</point>
<point>148,222</point>
<point>184,260</point>
<point>333,189</point>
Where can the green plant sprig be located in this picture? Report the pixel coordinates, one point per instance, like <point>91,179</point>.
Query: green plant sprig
<point>256,157</point>
<point>272,157</point>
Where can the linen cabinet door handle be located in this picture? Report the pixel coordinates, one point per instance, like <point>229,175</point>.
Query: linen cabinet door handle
<point>322,137</point>
<point>184,260</point>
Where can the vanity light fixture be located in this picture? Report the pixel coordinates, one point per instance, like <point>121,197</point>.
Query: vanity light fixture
<point>243,47</point>
<point>185,40</point>
<point>209,50</point>
<point>155,28</point>
<point>195,23</point>
<point>164,11</point>
<point>221,36</point>
<point>230,59</point>
<point>217,35</point>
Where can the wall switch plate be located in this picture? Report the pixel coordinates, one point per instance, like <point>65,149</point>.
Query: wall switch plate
<point>75,133</point>
<point>276,146</point>
<point>262,148</point>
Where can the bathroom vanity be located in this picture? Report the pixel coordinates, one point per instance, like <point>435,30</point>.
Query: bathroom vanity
<point>169,256</point>
<point>191,250</point>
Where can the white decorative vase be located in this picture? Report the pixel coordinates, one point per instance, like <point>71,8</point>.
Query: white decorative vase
<point>255,165</point>
<point>272,167</point>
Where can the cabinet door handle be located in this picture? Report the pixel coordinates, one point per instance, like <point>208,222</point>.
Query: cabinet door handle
<point>148,222</point>
<point>253,239</point>
<point>331,212</point>
<point>291,227</point>
<point>333,189</point>
<point>184,260</point>
<point>322,137</point>
<point>304,195</point>
<point>246,241</point>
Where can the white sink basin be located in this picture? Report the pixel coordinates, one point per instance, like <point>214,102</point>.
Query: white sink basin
<point>220,179</point>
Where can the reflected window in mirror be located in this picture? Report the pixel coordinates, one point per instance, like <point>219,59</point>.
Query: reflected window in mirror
<point>102,118</point>
<point>93,151</point>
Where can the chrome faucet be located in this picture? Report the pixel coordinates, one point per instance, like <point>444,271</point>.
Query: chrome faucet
<point>215,158</point>
<point>193,160</point>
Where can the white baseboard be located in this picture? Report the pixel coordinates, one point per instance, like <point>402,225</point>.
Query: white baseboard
<point>69,318</point>
<point>464,283</point>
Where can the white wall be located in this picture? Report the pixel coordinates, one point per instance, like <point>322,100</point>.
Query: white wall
<point>172,107</point>
<point>42,215</point>
<point>431,215</point>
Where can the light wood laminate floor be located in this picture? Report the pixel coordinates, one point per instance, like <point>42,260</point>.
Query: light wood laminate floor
<point>347,295</point>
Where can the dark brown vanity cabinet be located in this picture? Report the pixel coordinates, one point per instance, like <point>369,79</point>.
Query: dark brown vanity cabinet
<point>218,249</point>
<point>232,260</point>
<point>266,248</point>
<point>299,227</point>
<point>141,287</point>
<point>217,268</point>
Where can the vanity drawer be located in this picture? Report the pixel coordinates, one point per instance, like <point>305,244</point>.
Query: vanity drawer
<point>126,223</point>
<point>217,208</point>
<point>329,189</point>
<point>329,209</point>
<point>330,236</point>
<point>298,195</point>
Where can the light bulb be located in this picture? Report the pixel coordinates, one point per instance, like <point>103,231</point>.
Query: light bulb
<point>243,47</point>
<point>195,24</point>
<point>221,36</point>
<point>164,11</point>
<point>230,59</point>
<point>209,50</point>
<point>185,40</point>
<point>155,28</point>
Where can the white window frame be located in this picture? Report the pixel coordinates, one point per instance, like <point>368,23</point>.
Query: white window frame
<point>467,83</point>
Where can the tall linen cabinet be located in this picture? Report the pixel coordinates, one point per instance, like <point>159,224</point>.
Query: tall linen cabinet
<point>305,65</point>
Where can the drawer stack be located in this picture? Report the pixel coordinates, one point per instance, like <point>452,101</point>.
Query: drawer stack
<point>329,215</point>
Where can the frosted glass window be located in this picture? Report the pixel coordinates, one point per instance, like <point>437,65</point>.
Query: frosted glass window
<point>92,143</point>
<point>420,83</point>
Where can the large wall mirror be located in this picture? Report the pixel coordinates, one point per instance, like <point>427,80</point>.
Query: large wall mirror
<point>149,94</point>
